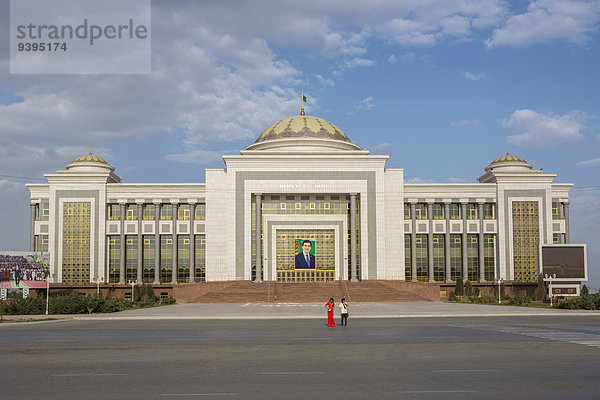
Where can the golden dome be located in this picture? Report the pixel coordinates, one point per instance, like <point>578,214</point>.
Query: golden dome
<point>508,160</point>
<point>90,159</point>
<point>302,126</point>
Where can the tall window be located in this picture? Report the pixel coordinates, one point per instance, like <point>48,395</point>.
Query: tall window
<point>455,257</point>
<point>148,259</point>
<point>488,211</point>
<point>526,239</point>
<point>76,242</point>
<point>421,211</point>
<point>471,211</point>
<point>200,258</point>
<point>43,211</point>
<point>439,259</point>
<point>438,211</point>
<point>166,212</point>
<point>132,212</point>
<point>114,212</point>
<point>149,212</point>
<point>407,211</point>
<point>183,258</point>
<point>422,258</point>
<point>473,258</point>
<point>407,258</point>
<point>131,258</point>
<point>557,210</point>
<point>200,212</point>
<point>454,211</point>
<point>114,258</point>
<point>488,257</point>
<point>166,258</point>
<point>183,212</point>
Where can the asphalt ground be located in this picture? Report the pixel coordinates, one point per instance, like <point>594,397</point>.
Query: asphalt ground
<point>550,356</point>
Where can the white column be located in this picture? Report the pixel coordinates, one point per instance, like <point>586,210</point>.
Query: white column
<point>413,243</point>
<point>463,211</point>
<point>447,242</point>
<point>258,215</point>
<point>567,229</point>
<point>32,228</point>
<point>123,244</point>
<point>156,243</point>
<point>192,243</point>
<point>140,243</point>
<point>353,275</point>
<point>174,236</point>
<point>430,241</point>
<point>481,244</point>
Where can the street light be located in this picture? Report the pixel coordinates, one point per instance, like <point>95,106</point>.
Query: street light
<point>98,280</point>
<point>132,283</point>
<point>47,291</point>
<point>549,278</point>
<point>499,286</point>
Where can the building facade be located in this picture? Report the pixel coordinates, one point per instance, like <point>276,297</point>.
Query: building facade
<point>302,179</point>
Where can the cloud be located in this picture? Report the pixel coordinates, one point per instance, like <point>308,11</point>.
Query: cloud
<point>325,81</point>
<point>383,148</point>
<point>470,76</point>
<point>201,157</point>
<point>359,62</point>
<point>466,122</point>
<point>589,163</point>
<point>543,130</point>
<point>455,180</point>
<point>392,59</point>
<point>366,104</point>
<point>546,21</point>
<point>418,180</point>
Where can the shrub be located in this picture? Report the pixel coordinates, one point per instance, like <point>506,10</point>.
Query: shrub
<point>484,300</point>
<point>476,292</point>
<point>452,297</point>
<point>540,290</point>
<point>468,288</point>
<point>460,288</point>
<point>585,291</point>
<point>519,300</point>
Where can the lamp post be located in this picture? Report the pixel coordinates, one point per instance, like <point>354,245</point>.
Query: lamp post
<point>98,280</point>
<point>47,291</point>
<point>132,283</point>
<point>499,290</point>
<point>549,278</point>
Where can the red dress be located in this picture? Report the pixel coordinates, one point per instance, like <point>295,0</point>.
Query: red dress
<point>330,307</point>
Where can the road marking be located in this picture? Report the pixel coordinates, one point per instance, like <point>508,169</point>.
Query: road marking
<point>200,394</point>
<point>312,338</point>
<point>467,370</point>
<point>185,340</point>
<point>439,337</point>
<point>290,373</point>
<point>574,337</point>
<point>71,375</point>
<point>437,391</point>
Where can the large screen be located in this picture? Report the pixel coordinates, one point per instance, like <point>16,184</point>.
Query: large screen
<point>564,261</point>
<point>24,269</point>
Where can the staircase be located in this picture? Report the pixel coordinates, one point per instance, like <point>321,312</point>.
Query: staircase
<point>305,292</point>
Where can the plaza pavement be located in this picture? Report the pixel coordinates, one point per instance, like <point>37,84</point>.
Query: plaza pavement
<point>314,310</point>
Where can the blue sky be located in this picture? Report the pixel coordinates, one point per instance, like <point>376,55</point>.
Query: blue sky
<point>443,86</point>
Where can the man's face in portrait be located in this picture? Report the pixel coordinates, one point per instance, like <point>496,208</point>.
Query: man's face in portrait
<point>306,247</point>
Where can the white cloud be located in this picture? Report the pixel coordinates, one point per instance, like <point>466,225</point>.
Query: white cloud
<point>466,122</point>
<point>455,180</point>
<point>392,59</point>
<point>359,62</point>
<point>549,20</point>
<point>542,130</point>
<point>470,76</point>
<point>383,148</point>
<point>324,81</point>
<point>366,104</point>
<point>201,157</point>
<point>418,180</point>
<point>589,163</point>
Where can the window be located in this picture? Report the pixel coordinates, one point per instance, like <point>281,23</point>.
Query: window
<point>471,211</point>
<point>183,212</point>
<point>132,212</point>
<point>455,257</point>
<point>422,258</point>
<point>454,211</point>
<point>149,211</point>
<point>438,211</point>
<point>473,258</point>
<point>407,211</point>
<point>114,212</point>
<point>407,258</point>
<point>488,211</point>
<point>439,259</point>
<point>166,212</point>
<point>557,210</point>
<point>200,212</point>
<point>421,211</point>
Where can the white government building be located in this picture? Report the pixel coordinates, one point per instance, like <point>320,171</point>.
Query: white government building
<point>301,179</point>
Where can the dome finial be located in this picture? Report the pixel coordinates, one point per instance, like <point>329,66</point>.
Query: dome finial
<point>303,98</point>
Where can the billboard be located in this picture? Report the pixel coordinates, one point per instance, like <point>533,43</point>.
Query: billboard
<point>24,269</point>
<point>304,254</point>
<point>566,261</point>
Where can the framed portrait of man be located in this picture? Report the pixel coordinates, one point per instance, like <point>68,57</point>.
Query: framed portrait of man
<point>305,254</point>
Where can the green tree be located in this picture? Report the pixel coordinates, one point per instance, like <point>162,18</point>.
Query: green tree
<point>540,290</point>
<point>460,288</point>
<point>585,291</point>
<point>468,288</point>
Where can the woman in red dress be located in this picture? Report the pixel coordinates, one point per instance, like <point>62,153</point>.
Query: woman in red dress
<point>330,306</point>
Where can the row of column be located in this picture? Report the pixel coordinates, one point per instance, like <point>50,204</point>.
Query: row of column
<point>465,270</point>
<point>157,245</point>
<point>353,235</point>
